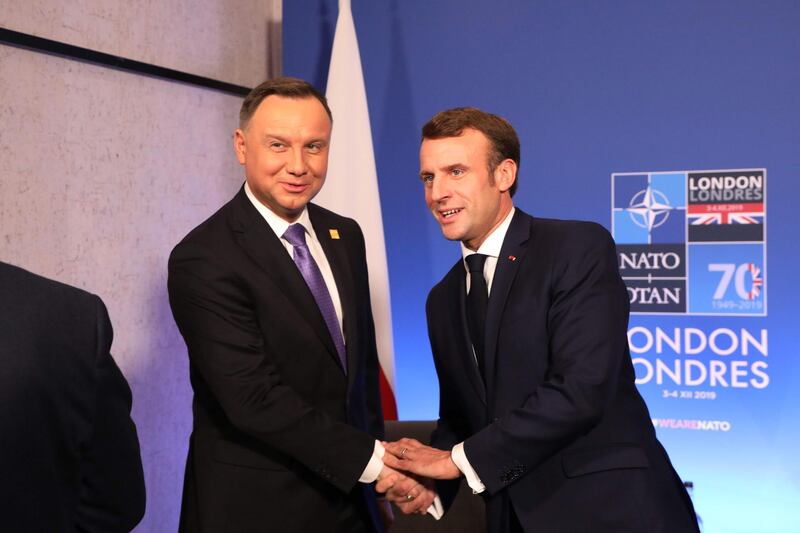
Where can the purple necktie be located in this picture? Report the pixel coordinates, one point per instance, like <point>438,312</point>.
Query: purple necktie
<point>296,236</point>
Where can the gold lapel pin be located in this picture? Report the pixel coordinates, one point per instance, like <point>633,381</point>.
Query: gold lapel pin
<point>512,257</point>
<point>334,233</point>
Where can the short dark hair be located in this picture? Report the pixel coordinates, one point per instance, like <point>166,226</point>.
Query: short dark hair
<point>283,86</point>
<point>501,135</point>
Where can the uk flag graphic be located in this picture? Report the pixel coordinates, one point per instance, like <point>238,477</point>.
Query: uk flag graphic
<point>705,214</point>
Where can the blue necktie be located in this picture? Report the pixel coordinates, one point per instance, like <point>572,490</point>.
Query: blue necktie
<point>477,303</point>
<point>296,236</point>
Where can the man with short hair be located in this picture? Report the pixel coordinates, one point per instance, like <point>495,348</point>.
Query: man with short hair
<point>538,406</point>
<point>69,453</point>
<point>272,298</point>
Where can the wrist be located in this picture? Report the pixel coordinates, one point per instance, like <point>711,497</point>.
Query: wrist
<point>453,467</point>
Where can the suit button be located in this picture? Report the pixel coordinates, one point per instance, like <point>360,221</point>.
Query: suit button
<point>495,419</point>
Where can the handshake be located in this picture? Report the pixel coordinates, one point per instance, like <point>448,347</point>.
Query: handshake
<point>408,473</point>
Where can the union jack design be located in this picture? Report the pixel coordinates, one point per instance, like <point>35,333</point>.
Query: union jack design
<point>755,289</point>
<point>711,214</point>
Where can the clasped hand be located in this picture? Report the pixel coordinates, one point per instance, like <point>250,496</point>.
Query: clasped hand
<point>409,468</point>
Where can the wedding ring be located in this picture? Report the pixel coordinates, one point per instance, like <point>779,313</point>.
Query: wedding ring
<point>409,497</point>
<point>403,453</point>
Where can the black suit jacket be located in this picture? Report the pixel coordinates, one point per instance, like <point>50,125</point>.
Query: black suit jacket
<point>281,434</point>
<point>559,431</point>
<point>69,454</point>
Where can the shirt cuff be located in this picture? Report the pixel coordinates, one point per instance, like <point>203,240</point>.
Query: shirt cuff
<point>374,466</point>
<point>460,459</point>
<point>436,510</point>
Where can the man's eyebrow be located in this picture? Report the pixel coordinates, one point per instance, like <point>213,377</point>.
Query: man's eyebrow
<point>275,137</point>
<point>448,168</point>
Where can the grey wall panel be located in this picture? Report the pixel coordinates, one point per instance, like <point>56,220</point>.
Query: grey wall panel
<point>229,40</point>
<point>101,174</point>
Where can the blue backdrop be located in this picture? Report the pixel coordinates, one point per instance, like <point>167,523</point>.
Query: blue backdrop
<point>596,89</point>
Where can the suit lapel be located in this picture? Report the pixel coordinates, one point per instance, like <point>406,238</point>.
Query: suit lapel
<point>463,349</point>
<point>259,241</point>
<point>512,254</point>
<point>336,253</point>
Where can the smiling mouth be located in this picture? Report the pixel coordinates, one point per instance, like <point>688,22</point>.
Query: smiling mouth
<point>450,212</point>
<point>295,186</point>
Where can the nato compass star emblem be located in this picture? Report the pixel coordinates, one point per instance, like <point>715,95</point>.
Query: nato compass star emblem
<point>649,208</point>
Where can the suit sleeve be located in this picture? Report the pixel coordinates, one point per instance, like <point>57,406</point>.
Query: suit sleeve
<point>215,314</point>
<point>587,321</point>
<point>448,431</point>
<point>112,494</point>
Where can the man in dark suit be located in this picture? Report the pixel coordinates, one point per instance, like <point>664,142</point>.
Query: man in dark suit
<point>272,298</point>
<point>69,454</point>
<point>538,407</point>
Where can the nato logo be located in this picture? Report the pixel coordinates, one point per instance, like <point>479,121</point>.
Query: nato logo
<point>649,227</point>
<point>692,242</point>
<point>649,208</point>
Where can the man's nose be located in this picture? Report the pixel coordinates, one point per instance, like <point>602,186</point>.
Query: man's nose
<point>296,165</point>
<point>439,189</point>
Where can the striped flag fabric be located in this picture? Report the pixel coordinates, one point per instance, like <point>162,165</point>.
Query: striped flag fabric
<point>352,184</point>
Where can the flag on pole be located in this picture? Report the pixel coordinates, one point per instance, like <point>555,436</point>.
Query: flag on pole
<point>352,184</point>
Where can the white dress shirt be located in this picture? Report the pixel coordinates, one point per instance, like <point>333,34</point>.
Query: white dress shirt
<point>491,248</point>
<point>279,226</point>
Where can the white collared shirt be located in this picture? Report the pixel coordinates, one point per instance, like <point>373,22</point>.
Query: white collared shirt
<point>279,226</point>
<point>491,248</point>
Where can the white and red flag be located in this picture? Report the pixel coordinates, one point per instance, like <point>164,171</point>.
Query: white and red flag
<point>352,184</point>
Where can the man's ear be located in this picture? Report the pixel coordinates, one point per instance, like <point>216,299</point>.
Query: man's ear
<point>505,174</point>
<point>240,145</point>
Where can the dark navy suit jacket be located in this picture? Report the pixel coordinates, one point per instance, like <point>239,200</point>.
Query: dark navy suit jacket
<point>558,431</point>
<point>69,454</point>
<point>281,433</point>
